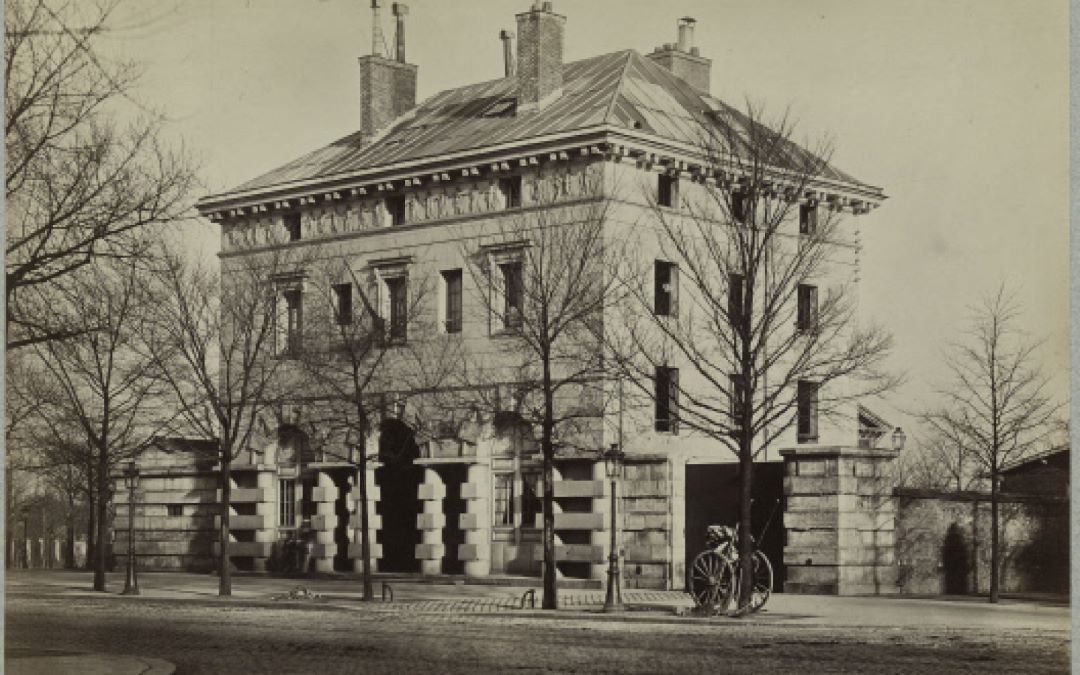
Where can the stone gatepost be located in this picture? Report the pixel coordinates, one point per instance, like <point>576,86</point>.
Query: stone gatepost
<point>374,522</point>
<point>430,522</point>
<point>476,521</point>
<point>840,518</point>
<point>324,522</point>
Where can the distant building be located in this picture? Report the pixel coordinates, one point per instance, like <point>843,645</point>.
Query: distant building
<point>396,198</point>
<point>1045,473</point>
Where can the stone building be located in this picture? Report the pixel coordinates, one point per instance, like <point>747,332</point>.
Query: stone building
<point>396,200</point>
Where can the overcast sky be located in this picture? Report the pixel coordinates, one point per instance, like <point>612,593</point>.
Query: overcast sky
<point>958,109</point>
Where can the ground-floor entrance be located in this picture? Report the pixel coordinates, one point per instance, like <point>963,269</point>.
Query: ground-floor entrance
<point>712,498</point>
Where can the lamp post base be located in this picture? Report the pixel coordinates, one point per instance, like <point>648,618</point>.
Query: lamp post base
<point>613,602</point>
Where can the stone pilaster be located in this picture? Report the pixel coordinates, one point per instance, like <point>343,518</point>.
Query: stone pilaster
<point>840,519</point>
<point>430,522</point>
<point>324,522</point>
<point>476,521</point>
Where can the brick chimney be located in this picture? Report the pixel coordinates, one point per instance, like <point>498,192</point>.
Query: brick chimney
<point>387,86</point>
<point>682,57</point>
<point>540,56</point>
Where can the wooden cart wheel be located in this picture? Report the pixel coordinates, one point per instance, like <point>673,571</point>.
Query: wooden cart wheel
<point>763,581</point>
<point>711,581</point>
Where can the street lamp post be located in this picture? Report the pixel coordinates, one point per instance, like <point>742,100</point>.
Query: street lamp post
<point>131,480</point>
<point>613,461</point>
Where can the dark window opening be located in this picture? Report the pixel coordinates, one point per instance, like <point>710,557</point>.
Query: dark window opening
<point>807,315</point>
<point>739,207</point>
<point>292,224</point>
<point>807,411</point>
<point>395,207</point>
<point>736,297</point>
<point>667,190</point>
<point>294,311</point>
<point>343,304</point>
<point>667,399</point>
<point>808,219</point>
<point>452,307</point>
<point>738,394</point>
<point>513,294</point>
<point>286,503</point>
<point>398,291</point>
<point>531,501</point>
<point>510,188</point>
<point>175,510</point>
<point>504,500</point>
<point>666,288</point>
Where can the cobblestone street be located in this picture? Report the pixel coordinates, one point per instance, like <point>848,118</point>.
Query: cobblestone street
<point>208,636</point>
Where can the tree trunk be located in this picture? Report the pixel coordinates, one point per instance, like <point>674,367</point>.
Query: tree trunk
<point>365,533</point>
<point>224,564</point>
<point>550,600</point>
<point>91,521</point>
<point>69,544</point>
<point>995,539</point>
<point>746,500</point>
<point>102,547</point>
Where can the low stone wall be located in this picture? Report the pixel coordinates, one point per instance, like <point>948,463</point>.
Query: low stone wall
<point>943,542</point>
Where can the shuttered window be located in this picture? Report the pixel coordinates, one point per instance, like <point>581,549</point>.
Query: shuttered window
<point>666,288</point>
<point>736,293</point>
<point>513,294</point>
<point>808,307</point>
<point>343,304</point>
<point>398,291</point>
<point>807,411</point>
<point>452,301</point>
<point>808,214</point>
<point>667,399</point>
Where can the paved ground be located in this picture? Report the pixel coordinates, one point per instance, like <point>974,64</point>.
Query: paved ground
<point>472,629</point>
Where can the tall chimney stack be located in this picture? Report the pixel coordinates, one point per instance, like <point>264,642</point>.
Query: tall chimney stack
<point>683,59</point>
<point>508,52</point>
<point>401,10</point>
<point>387,85</point>
<point>540,52</point>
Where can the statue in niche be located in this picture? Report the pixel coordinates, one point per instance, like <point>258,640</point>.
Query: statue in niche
<point>351,220</point>
<point>461,202</point>
<point>413,209</point>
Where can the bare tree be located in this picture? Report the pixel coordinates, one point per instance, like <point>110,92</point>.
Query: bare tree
<point>217,348</point>
<point>358,352</point>
<point>543,278</point>
<point>940,461</point>
<point>79,185</point>
<point>995,402</point>
<point>751,291</point>
<point>105,397</point>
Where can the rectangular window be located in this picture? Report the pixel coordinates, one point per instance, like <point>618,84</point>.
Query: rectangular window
<point>736,296</point>
<point>395,208</point>
<point>737,392</point>
<point>739,205</point>
<point>531,500</point>
<point>397,291</point>
<point>667,399</point>
<point>504,500</point>
<point>806,318</point>
<point>510,187</point>
<point>807,411</point>
<point>343,305</point>
<point>513,294</point>
<point>667,190</point>
<point>452,301</point>
<point>175,510</point>
<point>666,288</point>
<point>286,503</point>
<point>291,324</point>
<point>808,214</point>
<point>292,225</point>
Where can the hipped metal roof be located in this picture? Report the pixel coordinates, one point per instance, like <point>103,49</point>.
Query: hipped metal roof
<point>621,89</point>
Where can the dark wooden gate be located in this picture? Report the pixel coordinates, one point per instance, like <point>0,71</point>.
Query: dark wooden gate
<point>712,498</point>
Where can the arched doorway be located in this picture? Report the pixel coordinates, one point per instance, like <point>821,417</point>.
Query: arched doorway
<point>399,480</point>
